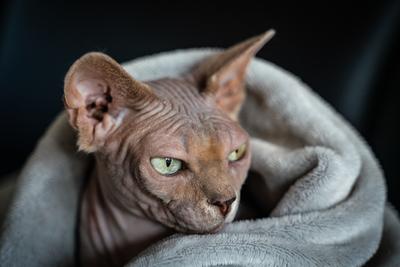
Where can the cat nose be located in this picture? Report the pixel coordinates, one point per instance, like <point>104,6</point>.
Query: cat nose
<point>223,205</point>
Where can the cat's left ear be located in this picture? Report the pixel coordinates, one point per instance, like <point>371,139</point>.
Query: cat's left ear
<point>222,76</point>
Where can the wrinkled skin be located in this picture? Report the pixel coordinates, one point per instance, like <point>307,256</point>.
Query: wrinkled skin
<point>127,204</point>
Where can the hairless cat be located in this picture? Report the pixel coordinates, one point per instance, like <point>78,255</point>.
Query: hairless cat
<point>169,154</point>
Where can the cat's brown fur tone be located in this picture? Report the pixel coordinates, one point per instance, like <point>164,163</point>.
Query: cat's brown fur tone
<point>127,204</point>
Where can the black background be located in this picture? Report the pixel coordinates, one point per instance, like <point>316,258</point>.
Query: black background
<point>346,51</point>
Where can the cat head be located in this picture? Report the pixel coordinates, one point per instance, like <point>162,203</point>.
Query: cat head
<point>170,148</point>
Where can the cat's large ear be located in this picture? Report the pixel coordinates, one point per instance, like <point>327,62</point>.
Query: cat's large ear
<point>222,76</point>
<point>97,93</point>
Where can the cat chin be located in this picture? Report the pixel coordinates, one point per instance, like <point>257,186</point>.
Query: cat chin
<point>203,231</point>
<point>199,220</point>
<point>186,229</point>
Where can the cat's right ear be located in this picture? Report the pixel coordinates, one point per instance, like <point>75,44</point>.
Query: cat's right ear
<point>97,93</point>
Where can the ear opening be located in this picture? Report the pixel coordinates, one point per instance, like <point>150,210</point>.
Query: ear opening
<point>222,76</point>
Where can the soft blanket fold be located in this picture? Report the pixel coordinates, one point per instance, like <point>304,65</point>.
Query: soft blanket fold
<point>330,212</point>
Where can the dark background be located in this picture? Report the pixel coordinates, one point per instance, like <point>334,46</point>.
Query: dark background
<point>346,51</point>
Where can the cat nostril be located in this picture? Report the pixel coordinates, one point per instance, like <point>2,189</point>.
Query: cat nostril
<point>224,206</point>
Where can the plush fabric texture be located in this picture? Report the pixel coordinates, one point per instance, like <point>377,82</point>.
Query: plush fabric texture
<point>331,209</point>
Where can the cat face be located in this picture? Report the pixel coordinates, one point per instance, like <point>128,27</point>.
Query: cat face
<point>186,155</point>
<point>171,148</point>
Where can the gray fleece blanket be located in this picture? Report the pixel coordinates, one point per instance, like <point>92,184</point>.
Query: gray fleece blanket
<point>326,187</point>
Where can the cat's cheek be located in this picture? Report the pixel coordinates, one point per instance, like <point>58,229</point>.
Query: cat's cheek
<point>166,188</point>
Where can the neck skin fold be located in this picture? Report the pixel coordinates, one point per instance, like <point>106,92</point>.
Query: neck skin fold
<point>111,235</point>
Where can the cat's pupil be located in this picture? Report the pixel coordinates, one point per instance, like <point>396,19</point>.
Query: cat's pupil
<point>168,162</point>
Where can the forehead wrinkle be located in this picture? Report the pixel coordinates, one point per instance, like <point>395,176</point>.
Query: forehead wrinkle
<point>216,124</point>
<point>175,97</point>
<point>187,91</point>
<point>182,90</point>
<point>174,124</point>
<point>185,142</point>
<point>205,143</point>
<point>222,134</point>
<point>182,94</point>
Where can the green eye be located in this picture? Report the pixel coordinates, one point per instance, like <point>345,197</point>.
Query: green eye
<point>237,153</point>
<point>166,166</point>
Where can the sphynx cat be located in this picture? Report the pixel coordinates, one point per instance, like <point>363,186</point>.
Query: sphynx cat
<point>169,154</point>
